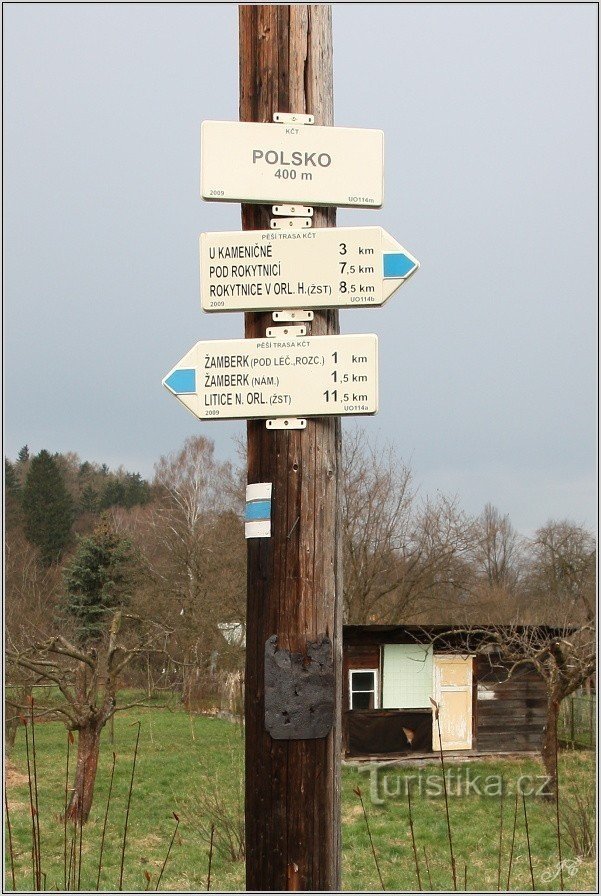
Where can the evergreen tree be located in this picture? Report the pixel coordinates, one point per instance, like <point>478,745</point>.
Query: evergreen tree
<point>21,465</point>
<point>98,580</point>
<point>137,490</point>
<point>47,508</point>
<point>113,494</point>
<point>12,495</point>
<point>88,501</point>
<point>124,490</point>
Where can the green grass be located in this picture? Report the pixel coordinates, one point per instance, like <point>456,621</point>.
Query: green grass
<point>183,762</point>
<point>474,826</point>
<point>577,720</point>
<point>178,755</point>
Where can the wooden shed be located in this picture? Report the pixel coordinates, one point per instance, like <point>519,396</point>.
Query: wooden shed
<point>390,672</point>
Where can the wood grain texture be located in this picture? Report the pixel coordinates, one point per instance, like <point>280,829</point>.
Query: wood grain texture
<point>513,719</point>
<point>294,577</point>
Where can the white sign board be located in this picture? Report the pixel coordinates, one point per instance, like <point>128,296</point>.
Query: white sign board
<point>342,267</point>
<point>252,162</point>
<point>286,376</point>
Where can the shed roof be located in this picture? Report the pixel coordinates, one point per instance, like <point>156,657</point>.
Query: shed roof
<point>384,633</point>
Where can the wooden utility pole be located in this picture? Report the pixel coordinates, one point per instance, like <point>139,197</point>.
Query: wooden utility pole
<point>294,578</point>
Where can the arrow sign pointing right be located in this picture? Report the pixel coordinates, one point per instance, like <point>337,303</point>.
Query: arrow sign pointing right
<point>262,270</point>
<point>398,265</point>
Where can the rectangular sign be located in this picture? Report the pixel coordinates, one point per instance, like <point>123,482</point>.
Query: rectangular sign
<point>286,376</point>
<point>309,164</point>
<point>342,267</point>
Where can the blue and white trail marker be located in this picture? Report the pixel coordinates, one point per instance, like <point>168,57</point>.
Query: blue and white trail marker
<point>261,270</point>
<point>257,513</point>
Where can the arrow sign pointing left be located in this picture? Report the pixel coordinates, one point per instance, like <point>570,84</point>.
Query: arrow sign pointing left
<point>287,376</point>
<point>261,270</point>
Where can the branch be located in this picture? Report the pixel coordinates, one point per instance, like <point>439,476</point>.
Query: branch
<point>69,649</point>
<point>43,673</point>
<point>113,632</point>
<point>130,654</point>
<point>129,706</point>
<point>38,714</point>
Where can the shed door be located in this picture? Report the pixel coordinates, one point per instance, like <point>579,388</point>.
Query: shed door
<point>453,693</point>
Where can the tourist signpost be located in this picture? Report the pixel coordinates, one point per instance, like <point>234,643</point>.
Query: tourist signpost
<point>276,378</point>
<point>342,267</point>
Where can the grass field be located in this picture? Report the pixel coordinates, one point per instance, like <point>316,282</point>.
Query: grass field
<point>189,764</point>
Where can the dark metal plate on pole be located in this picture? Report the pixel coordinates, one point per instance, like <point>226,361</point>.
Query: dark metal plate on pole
<point>299,691</point>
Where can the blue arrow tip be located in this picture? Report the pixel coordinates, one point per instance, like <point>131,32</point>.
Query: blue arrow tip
<point>181,381</point>
<point>397,264</point>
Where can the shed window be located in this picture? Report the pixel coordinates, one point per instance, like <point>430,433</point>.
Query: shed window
<point>407,676</point>
<point>363,688</point>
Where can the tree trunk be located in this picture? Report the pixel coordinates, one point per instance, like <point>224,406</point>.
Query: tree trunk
<point>88,749</point>
<point>549,746</point>
<point>11,723</point>
<point>11,716</point>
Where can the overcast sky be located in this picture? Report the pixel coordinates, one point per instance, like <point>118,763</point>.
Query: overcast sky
<point>488,356</point>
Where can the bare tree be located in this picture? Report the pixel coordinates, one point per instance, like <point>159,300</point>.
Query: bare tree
<point>31,593</point>
<point>562,571</point>
<point>87,681</point>
<point>438,580</point>
<point>497,551</point>
<point>376,505</point>
<point>194,552</point>
<point>402,559</point>
<point>77,645</point>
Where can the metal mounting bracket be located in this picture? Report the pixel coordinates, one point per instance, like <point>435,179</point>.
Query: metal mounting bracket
<point>293,118</point>
<point>274,332</point>
<point>287,423</point>
<point>292,211</point>
<point>290,316</point>
<point>297,216</point>
<point>290,223</point>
